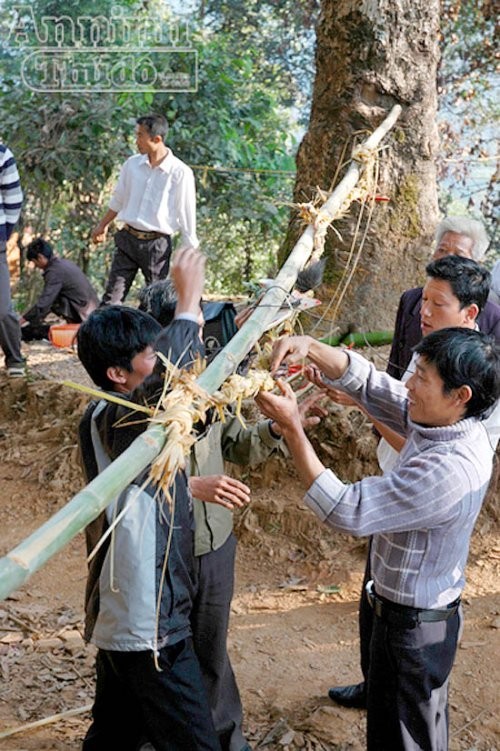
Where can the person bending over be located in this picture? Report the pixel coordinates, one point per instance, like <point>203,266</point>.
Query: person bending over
<point>66,292</point>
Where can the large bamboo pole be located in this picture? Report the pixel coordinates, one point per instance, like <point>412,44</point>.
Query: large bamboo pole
<point>18,565</point>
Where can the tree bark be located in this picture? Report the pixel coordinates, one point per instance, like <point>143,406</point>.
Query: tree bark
<point>370,55</point>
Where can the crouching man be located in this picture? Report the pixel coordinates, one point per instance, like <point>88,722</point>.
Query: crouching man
<point>421,514</point>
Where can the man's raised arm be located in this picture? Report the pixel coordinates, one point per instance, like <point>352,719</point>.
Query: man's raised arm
<point>290,350</point>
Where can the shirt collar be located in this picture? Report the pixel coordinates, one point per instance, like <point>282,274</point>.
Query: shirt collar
<point>165,165</point>
<point>459,429</point>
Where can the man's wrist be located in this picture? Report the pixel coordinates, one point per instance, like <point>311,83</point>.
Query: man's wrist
<point>292,429</point>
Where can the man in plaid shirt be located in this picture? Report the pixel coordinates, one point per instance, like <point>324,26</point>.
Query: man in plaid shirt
<point>421,514</point>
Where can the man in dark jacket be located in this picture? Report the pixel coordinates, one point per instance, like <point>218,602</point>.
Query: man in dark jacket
<point>455,235</point>
<point>66,292</point>
<point>141,581</point>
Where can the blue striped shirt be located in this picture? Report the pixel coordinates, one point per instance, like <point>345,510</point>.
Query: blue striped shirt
<point>11,195</point>
<point>422,513</point>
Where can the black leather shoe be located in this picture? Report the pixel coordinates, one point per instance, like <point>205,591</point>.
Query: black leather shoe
<point>349,696</point>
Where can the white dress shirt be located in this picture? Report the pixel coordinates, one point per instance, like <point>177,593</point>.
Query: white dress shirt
<point>157,199</point>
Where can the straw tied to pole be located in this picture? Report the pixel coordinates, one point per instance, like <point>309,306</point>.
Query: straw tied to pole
<point>184,403</point>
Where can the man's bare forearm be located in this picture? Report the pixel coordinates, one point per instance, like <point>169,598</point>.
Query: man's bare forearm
<point>332,361</point>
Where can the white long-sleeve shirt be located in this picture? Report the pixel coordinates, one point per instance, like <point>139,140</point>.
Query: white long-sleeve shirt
<point>157,199</point>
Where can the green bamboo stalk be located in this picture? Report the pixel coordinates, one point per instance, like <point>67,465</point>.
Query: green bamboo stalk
<point>18,565</point>
<point>360,339</point>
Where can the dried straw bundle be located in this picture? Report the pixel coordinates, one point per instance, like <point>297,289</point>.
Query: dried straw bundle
<point>185,404</point>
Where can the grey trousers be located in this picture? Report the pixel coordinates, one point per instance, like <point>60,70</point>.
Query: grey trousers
<point>10,331</point>
<point>408,685</point>
<point>210,621</point>
<point>152,257</point>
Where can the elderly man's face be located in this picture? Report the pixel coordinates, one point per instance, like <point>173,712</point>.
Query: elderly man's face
<point>454,244</point>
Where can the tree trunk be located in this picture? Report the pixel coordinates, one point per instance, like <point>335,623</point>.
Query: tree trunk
<point>371,55</point>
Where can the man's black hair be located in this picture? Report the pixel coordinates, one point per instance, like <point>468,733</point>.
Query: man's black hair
<point>38,247</point>
<point>156,125</point>
<point>469,281</point>
<point>159,300</point>
<point>465,357</point>
<point>111,337</point>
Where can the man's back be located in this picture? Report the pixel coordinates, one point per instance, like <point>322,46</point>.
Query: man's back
<point>75,285</point>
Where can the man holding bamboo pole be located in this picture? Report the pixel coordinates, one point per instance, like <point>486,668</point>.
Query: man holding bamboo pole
<point>141,581</point>
<point>421,514</point>
<point>457,237</point>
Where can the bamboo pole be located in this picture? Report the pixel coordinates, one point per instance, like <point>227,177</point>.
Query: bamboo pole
<point>242,342</point>
<point>45,721</point>
<point>18,565</point>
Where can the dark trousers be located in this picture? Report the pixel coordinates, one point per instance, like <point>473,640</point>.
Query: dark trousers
<point>134,699</point>
<point>152,257</point>
<point>10,331</point>
<point>35,331</point>
<point>210,621</point>
<point>408,685</point>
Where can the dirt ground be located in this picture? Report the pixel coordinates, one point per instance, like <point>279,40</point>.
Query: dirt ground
<point>294,616</point>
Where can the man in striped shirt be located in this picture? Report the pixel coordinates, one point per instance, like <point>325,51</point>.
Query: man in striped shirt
<point>421,514</point>
<point>11,200</point>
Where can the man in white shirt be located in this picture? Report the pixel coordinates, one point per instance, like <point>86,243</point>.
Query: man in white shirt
<point>155,197</point>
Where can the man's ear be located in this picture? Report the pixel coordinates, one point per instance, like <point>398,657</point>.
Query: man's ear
<point>472,312</point>
<point>117,375</point>
<point>463,394</point>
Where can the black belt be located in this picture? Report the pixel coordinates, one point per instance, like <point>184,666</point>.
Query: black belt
<point>402,615</point>
<point>143,235</point>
